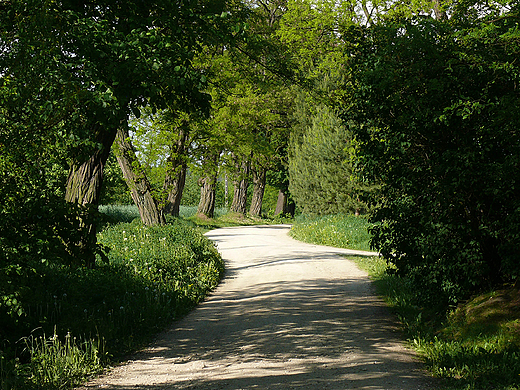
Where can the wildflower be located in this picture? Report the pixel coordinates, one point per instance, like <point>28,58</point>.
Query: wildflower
<point>121,308</point>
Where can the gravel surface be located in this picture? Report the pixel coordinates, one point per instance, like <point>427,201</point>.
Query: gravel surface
<point>287,315</point>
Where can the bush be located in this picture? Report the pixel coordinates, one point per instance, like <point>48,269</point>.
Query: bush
<point>436,123</point>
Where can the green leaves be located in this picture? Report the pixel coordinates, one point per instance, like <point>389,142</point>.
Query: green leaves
<point>429,105</point>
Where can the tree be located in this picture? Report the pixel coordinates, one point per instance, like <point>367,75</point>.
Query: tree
<point>100,62</point>
<point>163,141</point>
<point>208,183</point>
<point>436,122</point>
<point>137,181</point>
<point>321,168</point>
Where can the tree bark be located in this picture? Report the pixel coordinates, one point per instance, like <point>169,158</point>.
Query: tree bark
<point>83,189</point>
<point>208,185</point>
<point>175,179</point>
<point>440,14</point>
<point>137,181</point>
<point>283,206</point>
<point>207,196</point>
<point>259,178</point>
<point>239,203</point>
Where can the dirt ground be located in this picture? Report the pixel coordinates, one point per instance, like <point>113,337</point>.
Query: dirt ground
<point>287,315</point>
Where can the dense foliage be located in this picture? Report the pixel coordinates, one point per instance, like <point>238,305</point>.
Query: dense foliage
<point>154,275</point>
<point>321,167</point>
<point>436,118</point>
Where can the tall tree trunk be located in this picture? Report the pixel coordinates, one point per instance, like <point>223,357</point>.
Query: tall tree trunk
<point>137,181</point>
<point>259,177</point>
<point>283,206</point>
<point>83,189</point>
<point>207,196</point>
<point>239,203</point>
<point>226,191</point>
<point>175,179</point>
<point>208,185</point>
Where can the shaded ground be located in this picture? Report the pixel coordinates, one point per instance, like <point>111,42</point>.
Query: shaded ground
<point>288,315</point>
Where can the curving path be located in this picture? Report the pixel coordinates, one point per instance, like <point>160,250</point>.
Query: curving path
<point>287,315</point>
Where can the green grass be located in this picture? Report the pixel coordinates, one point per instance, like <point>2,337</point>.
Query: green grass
<point>97,316</point>
<point>342,231</point>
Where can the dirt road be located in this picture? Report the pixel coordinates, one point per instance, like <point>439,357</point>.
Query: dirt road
<point>287,316</point>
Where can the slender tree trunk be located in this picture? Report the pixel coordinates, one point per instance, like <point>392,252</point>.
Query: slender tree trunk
<point>283,206</point>
<point>175,179</point>
<point>259,177</point>
<point>83,189</point>
<point>239,203</point>
<point>440,14</point>
<point>226,191</point>
<point>137,181</point>
<point>207,196</point>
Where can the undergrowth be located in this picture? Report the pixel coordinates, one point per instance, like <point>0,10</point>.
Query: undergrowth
<point>78,320</point>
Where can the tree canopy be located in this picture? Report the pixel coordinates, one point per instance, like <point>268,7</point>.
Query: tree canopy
<point>405,109</point>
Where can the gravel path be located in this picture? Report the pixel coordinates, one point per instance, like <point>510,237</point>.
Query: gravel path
<point>287,315</point>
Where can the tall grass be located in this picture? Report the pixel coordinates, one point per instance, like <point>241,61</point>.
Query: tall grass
<point>119,213</point>
<point>154,275</point>
<point>63,363</point>
<point>127,213</point>
<point>342,231</point>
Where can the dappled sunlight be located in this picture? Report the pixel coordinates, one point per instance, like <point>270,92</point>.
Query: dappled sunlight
<point>292,316</point>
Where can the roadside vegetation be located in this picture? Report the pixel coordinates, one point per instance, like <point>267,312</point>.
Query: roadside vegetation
<point>341,231</point>
<point>472,345</point>
<point>77,320</point>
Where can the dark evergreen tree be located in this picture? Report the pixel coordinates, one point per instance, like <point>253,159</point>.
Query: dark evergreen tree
<point>322,180</point>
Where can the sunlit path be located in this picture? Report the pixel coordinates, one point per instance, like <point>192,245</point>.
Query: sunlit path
<point>287,316</point>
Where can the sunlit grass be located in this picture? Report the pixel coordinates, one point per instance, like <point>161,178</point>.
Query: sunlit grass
<point>341,231</point>
<point>58,364</point>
